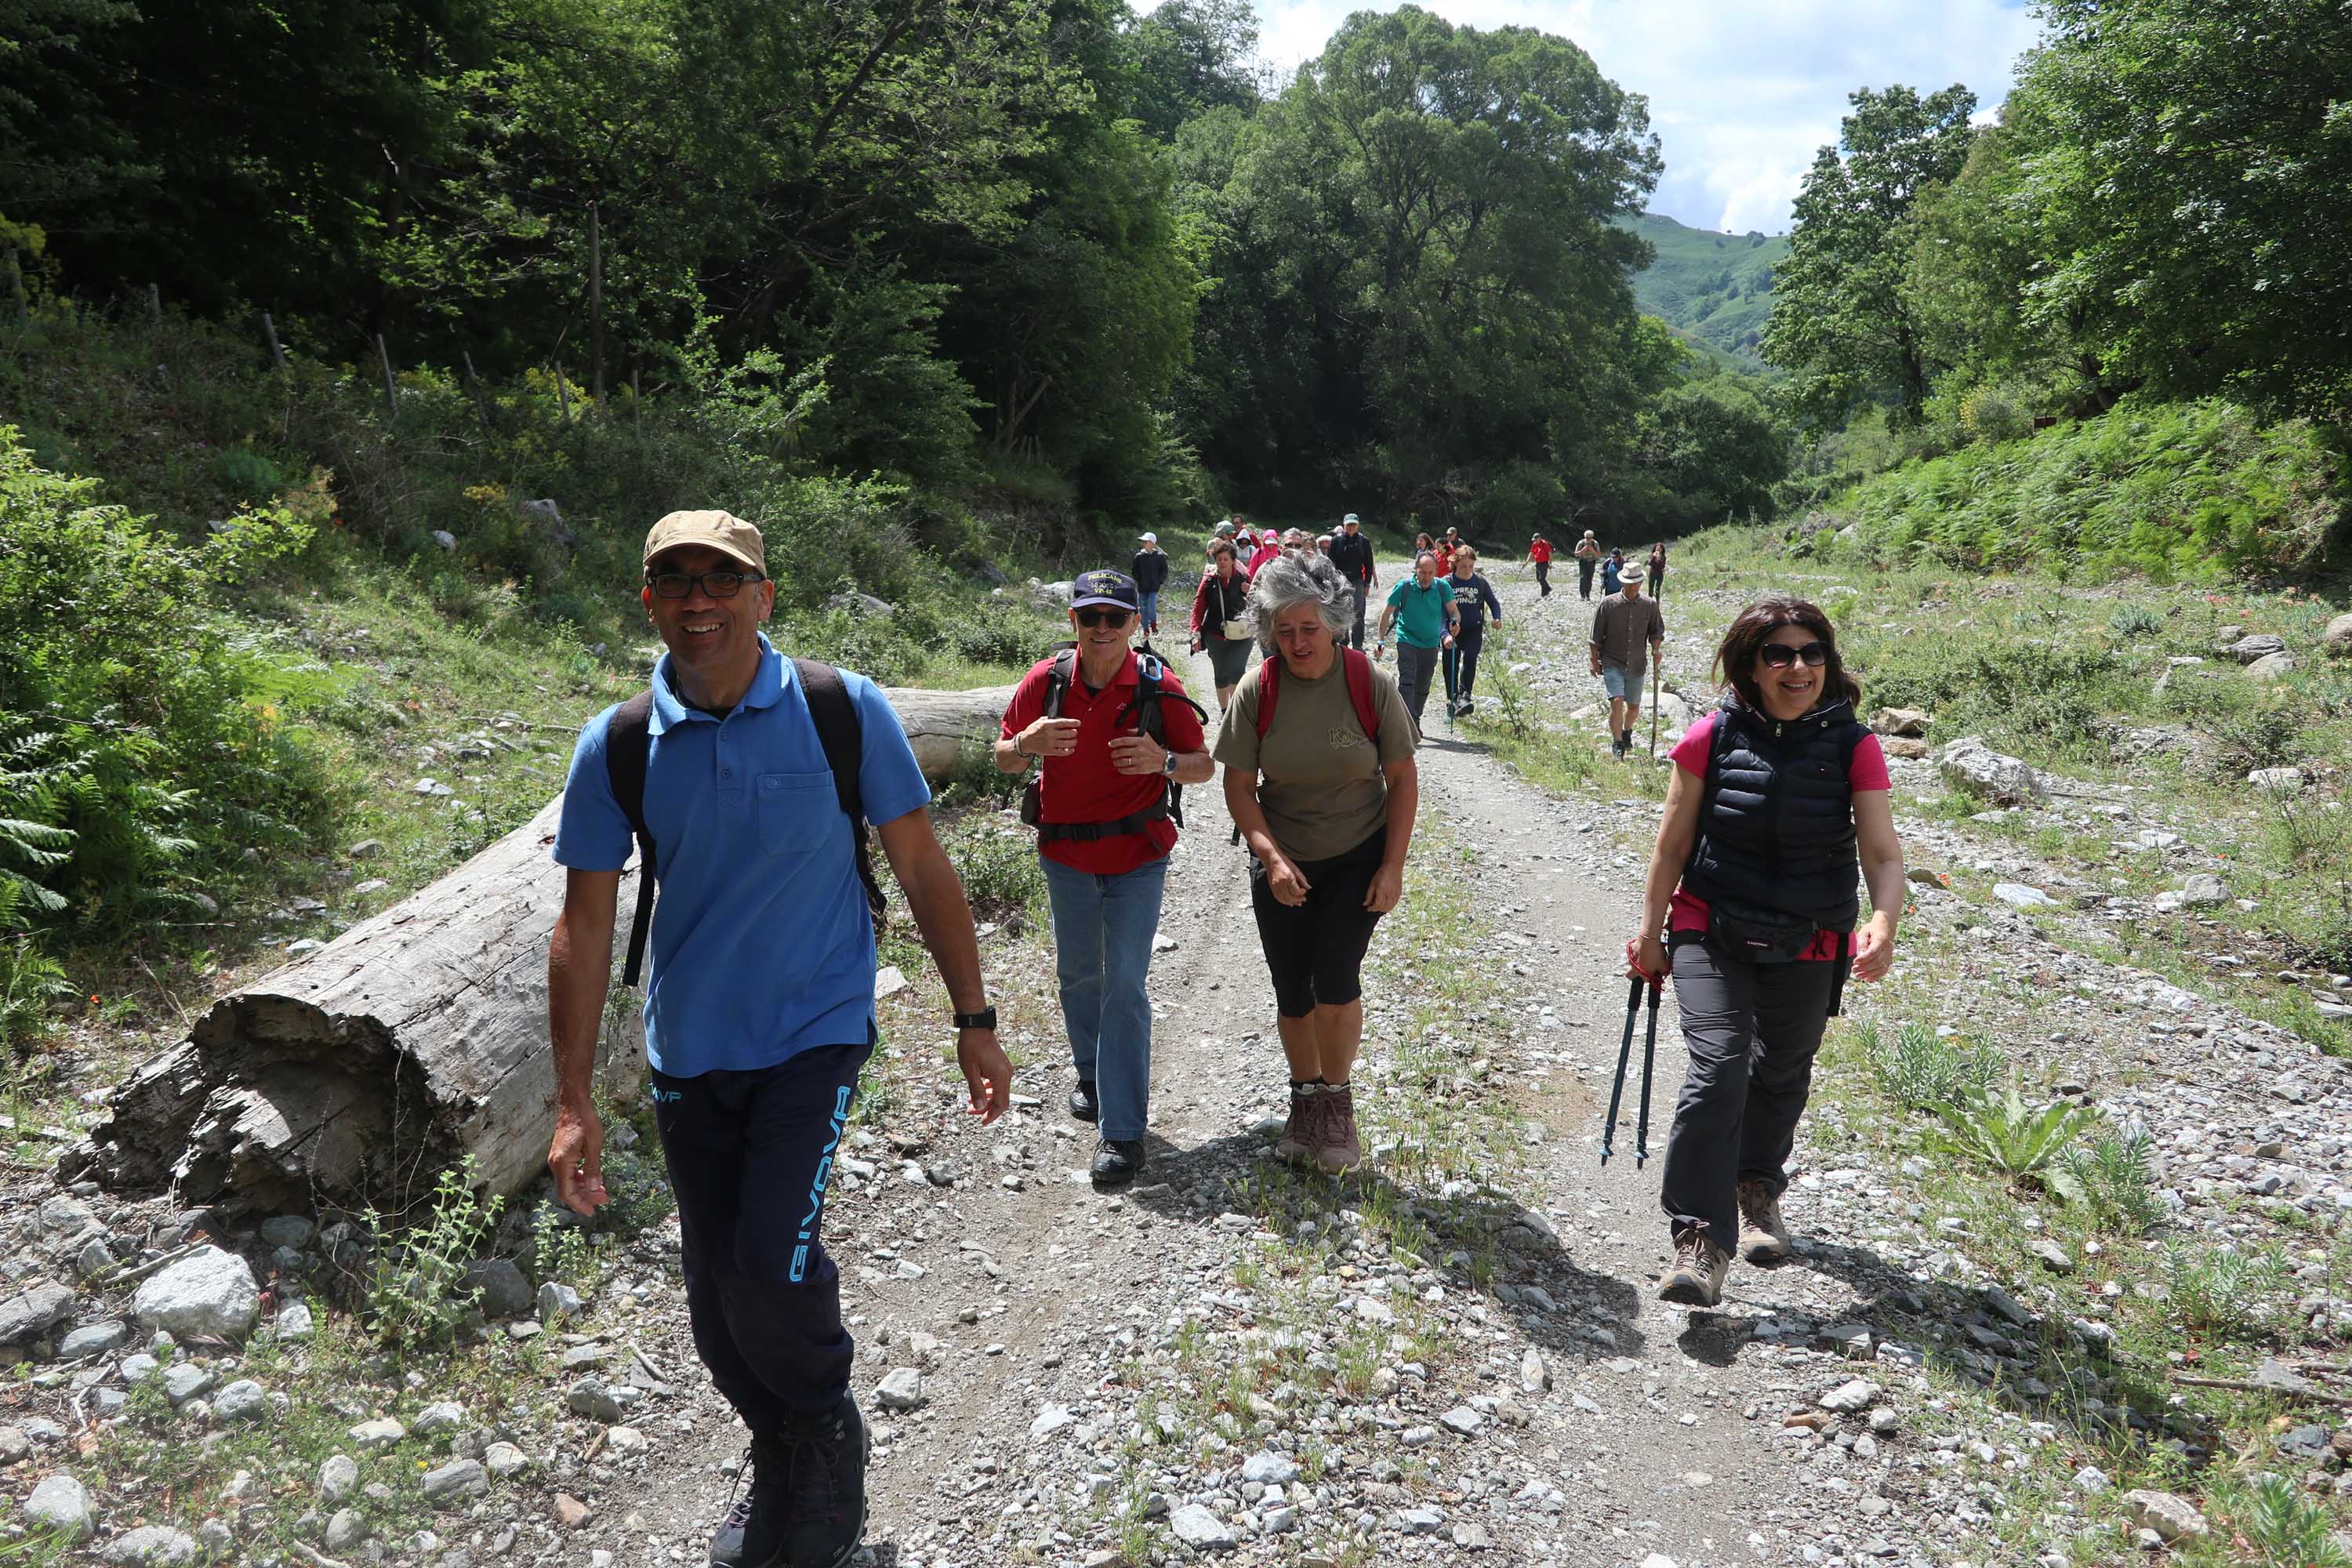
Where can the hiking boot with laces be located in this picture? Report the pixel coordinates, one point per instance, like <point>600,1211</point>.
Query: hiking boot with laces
<point>1696,1278</point>
<point>1083,1103</point>
<point>752,1533</point>
<point>1763,1236</point>
<point>827,1506</point>
<point>1337,1149</point>
<point>1301,1134</point>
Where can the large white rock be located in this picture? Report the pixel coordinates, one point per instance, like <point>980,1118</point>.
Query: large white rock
<point>60,1506</point>
<point>208,1292</point>
<point>1199,1529</point>
<point>2173,1518</point>
<point>151,1546</point>
<point>1970,764</point>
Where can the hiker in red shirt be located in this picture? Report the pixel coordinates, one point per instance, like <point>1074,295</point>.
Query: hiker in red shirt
<point>1119,738</point>
<point>1539,552</point>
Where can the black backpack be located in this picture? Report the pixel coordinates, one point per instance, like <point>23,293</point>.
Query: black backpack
<point>628,747</point>
<point>1149,693</point>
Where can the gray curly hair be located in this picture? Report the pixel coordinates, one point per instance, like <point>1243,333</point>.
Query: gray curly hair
<point>1291,578</point>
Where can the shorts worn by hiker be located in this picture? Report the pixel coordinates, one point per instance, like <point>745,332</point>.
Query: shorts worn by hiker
<point>1619,688</point>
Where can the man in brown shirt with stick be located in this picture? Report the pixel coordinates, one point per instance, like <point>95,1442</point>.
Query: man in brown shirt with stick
<point>1627,630</point>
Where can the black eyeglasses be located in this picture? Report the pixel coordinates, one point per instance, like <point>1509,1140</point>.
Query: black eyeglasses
<point>1091,617</point>
<point>1780,655</point>
<point>717,584</point>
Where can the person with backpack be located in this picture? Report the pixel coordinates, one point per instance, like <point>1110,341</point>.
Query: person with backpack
<point>1612,572</point>
<point>1776,799</point>
<point>1587,556</point>
<point>746,781</point>
<point>1539,552</point>
<point>1627,633</point>
<point>1473,600</point>
<point>1221,620</point>
<point>1120,740</point>
<point>1150,570</point>
<point>1320,779</point>
<point>1352,553</point>
<point>1421,609</point>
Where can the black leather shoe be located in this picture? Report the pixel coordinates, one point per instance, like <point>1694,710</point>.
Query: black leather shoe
<point>752,1533</point>
<point>1082,1101</point>
<point>829,1493</point>
<point>1115,1164</point>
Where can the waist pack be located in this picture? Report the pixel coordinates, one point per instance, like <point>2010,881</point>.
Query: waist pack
<point>1761,936</point>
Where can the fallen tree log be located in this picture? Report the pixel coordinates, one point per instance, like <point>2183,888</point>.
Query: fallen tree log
<point>412,1041</point>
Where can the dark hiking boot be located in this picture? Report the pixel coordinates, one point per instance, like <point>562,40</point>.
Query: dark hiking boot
<point>1117,1162</point>
<point>1301,1135</point>
<point>752,1533</point>
<point>1083,1104</point>
<point>1763,1235</point>
<point>1696,1278</point>
<point>1338,1149</point>
<point>827,1513</point>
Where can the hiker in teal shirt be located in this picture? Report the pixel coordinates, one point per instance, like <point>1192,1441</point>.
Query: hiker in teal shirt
<point>1421,609</point>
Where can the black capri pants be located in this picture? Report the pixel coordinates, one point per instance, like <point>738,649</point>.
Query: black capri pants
<point>1228,658</point>
<point>1315,950</point>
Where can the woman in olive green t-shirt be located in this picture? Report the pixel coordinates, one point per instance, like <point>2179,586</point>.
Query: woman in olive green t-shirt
<point>1328,810</point>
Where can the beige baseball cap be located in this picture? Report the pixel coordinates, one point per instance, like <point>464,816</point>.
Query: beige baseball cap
<point>719,531</point>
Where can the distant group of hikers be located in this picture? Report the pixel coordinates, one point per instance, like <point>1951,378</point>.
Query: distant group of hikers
<point>746,781</point>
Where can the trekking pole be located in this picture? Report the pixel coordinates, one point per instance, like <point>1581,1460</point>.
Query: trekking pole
<point>1649,1059</point>
<point>1617,1088</point>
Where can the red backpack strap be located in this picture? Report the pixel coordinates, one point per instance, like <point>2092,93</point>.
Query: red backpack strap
<point>1269,684</point>
<point>1360,692</point>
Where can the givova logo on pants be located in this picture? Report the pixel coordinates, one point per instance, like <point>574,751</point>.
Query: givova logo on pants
<point>816,1184</point>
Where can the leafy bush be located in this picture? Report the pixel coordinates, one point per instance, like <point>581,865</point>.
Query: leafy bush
<point>1924,1070</point>
<point>2221,1289</point>
<point>2009,1136</point>
<point>2285,1527</point>
<point>134,755</point>
<point>2172,490</point>
<point>30,981</point>
<point>999,868</point>
<point>246,473</point>
<point>2114,1180</point>
<point>413,1295</point>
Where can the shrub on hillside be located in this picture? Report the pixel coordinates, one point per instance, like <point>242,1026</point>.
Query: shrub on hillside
<point>2172,490</point>
<point>135,752</point>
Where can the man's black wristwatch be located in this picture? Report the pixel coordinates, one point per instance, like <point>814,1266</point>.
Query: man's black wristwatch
<point>983,1019</point>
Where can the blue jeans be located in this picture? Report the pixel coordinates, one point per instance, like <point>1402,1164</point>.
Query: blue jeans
<point>1150,608</point>
<point>1103,928</point>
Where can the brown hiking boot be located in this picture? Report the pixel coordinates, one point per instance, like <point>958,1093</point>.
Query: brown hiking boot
<point>1303,1134</point>
<point>1763,1236</point>
<point>1338,1149</point>
<point>1696,1278</point>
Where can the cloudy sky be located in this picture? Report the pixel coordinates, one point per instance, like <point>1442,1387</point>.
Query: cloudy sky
<point>1741,92</point>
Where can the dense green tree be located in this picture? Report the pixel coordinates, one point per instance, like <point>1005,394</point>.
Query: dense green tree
<point>1716,448</point>
<point>2193,188</point>
<point>1190,56</point>
<point>62,158</point>
<point>1841,319</point>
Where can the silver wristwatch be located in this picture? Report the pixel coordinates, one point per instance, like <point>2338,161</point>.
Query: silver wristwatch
<point>1167,766</point>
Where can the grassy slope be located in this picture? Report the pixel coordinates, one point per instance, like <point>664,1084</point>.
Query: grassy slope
<point>1713,288</point>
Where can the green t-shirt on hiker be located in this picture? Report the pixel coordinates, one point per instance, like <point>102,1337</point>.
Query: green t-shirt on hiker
<point>1322,789</point>
<point>1420,613</point>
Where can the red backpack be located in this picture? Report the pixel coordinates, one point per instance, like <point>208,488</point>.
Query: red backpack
<point>1360,692</point>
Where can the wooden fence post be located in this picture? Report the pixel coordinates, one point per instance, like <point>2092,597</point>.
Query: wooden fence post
<point>277,352</point>
<point>474,385</point>
<point>390,387</point>
<point>595,305</point>
<point>155,306</point>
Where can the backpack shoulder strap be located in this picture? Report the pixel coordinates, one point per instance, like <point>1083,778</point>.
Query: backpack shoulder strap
<point>1358,672</point>
<point>1057,679</point>
<point>842,736</point>
<point>1269,685</point>
<point>628,747</point>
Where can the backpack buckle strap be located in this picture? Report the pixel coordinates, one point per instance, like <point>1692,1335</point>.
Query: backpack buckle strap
<point>1089,832</point>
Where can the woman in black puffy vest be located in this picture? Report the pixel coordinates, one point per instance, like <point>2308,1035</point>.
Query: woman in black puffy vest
<point>1778,800</point>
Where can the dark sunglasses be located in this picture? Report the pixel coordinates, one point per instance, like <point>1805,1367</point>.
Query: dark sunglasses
<point>1092,617</point>
<point>1780,655</point>
<point>717,584</point>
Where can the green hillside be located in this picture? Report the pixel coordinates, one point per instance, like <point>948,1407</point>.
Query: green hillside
<point>1714,288</point>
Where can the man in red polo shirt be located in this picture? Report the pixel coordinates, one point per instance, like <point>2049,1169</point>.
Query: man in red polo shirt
<point>1103,834</point>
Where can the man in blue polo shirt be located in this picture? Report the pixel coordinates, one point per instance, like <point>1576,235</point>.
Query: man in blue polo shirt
<point>759,1008</point>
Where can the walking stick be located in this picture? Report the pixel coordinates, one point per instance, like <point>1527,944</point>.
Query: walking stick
<point>1625,1058</point>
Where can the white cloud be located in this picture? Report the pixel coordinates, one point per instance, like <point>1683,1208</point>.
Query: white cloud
<point>1741,95</point>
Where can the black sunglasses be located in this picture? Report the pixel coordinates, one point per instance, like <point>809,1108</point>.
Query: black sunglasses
<point>1092,617</point>
<point>1780,655</point>
<point>717,584</point>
